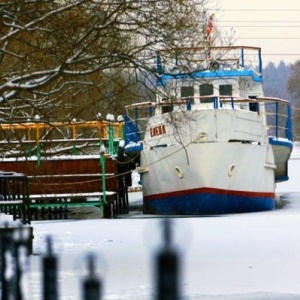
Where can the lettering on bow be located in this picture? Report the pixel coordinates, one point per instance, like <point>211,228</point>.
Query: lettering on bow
<point>157,130</point>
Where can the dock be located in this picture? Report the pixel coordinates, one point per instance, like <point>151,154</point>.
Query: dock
<point>85,169</point>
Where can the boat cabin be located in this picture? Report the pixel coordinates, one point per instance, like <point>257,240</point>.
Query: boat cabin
<point>223,72</point>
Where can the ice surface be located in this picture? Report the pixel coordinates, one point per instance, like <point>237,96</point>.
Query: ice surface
<point>250,256</point>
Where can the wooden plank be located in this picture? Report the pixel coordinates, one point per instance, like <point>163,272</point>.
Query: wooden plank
<point>59,176</point>
<point>11,202</point>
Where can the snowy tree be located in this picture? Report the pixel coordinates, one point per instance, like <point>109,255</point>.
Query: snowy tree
<point>62,59</point>
<point>66,60</point>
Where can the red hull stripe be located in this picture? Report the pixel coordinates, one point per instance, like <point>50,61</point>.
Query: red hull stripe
<point>210,191</point>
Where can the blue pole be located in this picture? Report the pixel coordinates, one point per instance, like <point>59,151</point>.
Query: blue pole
<point>188,104</point>
<point>136,123</point>
<point>260,62</point>
<point>289,133</point>
<point>232,103</point>
<point>242,58</point>
<point>276,119</point>
<point>158,64</point>
<point>215,102</point>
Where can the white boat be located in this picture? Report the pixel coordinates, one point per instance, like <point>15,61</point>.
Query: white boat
<point>212,143</point>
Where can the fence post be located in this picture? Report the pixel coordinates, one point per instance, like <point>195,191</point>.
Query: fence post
<point>91,284</point>
<point>5,246</point>
<point>50,289</point>
<point>20,237</point>
<point>167,267</point>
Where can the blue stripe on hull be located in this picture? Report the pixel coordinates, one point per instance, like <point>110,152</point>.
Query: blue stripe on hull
<point>207,204</point>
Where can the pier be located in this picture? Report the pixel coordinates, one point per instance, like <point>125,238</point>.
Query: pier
<point>68,165</point>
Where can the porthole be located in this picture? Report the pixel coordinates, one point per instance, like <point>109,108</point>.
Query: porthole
<point>178,172</point>
<point>231,170</point>
<point>202,137</point>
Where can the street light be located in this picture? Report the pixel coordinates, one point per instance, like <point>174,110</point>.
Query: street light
<point>110,118</point>
<point>102,161</point>
<point>99,116</point>
<point>120,118</point>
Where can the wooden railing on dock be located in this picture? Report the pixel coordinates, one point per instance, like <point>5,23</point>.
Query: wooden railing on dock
<point>61,180</point>
<point>57,138</point>
<point>14,196</point>
<point>59,184</point>
<point>39,132</point>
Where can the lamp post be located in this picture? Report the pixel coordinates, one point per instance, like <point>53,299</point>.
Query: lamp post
<point>102,161</point>
<point>120,119</point>
<point>110,118</point>
<point>38,146</point>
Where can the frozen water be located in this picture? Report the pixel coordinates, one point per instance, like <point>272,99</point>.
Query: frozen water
<point>250,256</point>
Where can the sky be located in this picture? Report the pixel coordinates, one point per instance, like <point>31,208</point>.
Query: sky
<point>273,25</point>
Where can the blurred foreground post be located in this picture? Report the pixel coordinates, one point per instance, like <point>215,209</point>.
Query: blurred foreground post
<point>15,246</point>
<point>167,267</point>
<point>50,289</point>
<point>91,284</point>
<point>6,241</point>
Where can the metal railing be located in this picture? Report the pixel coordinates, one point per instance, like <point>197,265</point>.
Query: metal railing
<point>166,261</point>
<point>275,113</point>
<point>14,196</point>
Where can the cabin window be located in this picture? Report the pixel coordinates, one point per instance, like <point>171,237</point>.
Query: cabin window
<point>186,92</point>
<point>225,90</point>
<point>167,108</point>
<point>206,90</point>
<point>253,106</point>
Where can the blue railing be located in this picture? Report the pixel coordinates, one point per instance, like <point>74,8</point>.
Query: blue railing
<point>132,131</point>
<point>275,112</point>
<point>279,120</point>
<point>174,64</point>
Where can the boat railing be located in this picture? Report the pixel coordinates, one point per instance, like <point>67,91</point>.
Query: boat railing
<point>191,59</point>
<point>274,112</point>
<point>278,114</point>
<point>135,120</point>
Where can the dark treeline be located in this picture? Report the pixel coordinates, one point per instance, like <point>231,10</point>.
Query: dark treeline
<point>276,79</point>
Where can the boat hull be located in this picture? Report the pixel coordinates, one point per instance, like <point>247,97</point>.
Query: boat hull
<point>207,201</point>
<point>282,151</point>
<point>225,178</point>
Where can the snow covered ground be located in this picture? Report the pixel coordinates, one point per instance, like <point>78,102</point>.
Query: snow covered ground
<point>250,256</point>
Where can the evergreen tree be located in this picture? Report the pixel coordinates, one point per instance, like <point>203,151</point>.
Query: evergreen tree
<point>276,81</point>
<point>294,89</point>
